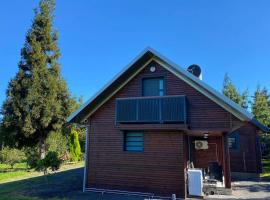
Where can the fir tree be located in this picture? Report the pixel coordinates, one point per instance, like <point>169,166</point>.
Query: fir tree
<point>232,93</point>
<point>38,101</point>
<point>260,106</point>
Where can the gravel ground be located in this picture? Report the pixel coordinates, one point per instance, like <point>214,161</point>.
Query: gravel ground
<point>247,190</point>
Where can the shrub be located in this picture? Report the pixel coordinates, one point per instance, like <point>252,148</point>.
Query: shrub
<point>57,142</point>
<point>74,146</point>
<point>32,157</point>
<point>51,161</point>
<point>11,156</point>
<point>82,138</point>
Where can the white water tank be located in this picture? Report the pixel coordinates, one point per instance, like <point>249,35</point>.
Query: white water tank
<point>195,182</point>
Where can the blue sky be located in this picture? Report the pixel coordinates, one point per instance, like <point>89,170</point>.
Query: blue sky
<point>99,38</point>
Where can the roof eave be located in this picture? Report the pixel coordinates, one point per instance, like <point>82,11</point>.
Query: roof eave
<point>261,126</point>
<point>74,115</point>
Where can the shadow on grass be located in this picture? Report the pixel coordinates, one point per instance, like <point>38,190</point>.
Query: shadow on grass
<point>60,185</point>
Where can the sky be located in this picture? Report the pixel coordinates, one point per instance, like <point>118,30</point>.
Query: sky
<point>98,38</point>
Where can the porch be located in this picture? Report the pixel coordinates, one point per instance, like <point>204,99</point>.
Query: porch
<point>208,152</point>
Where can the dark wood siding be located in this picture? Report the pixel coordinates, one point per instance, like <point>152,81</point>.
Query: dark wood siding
<point>247,157</point>
<point>160,168</point>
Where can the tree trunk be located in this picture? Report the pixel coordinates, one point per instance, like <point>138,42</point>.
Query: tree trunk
<point>42,149</point>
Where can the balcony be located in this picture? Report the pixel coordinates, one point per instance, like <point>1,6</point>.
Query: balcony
<point>164,109</point>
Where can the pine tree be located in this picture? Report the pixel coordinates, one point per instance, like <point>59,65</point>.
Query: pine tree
<point>75,148</point>
<point>232,93</point>
<point>38,101</point>
<point>260,106</point>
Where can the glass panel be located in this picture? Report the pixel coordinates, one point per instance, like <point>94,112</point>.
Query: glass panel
<point>153,87</point>
<point>133,141</point>
<point>130,148</point>
<point>161,84</point>
<point>132,134</point>
<point>234,140</point>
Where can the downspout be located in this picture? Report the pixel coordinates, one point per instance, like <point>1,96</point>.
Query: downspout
<point>86,156</point>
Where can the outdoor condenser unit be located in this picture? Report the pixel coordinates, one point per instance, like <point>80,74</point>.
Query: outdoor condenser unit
<point>201,144</point>
<point>195,182</point>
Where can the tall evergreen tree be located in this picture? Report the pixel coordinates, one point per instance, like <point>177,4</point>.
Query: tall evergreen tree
<point>260,106</point>
<point>38,101</point>
<point>231,92</point>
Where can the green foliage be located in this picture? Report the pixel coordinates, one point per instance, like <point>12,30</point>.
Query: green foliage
<point>265,144</point>
<point>11,156</point>
<point>260,106</point>
<point>51,161</point>
<point>82,138</point>
<point>232,93</point>
<point>38,100</point>
<point>74,146</point>
<point>32,157</point>
<point>57,142</point>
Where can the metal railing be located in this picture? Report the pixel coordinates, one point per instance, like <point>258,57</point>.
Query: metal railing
<point>164,109</point>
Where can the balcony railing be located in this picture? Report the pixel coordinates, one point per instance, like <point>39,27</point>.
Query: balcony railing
<point>165,109</point>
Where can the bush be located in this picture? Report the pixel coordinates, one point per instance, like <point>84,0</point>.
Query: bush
<point>74,146</point>
<point>11,156</point>
<point>82,138</point>
<point>57,142</point>
<point>32,157</point>
<point>51,161</point>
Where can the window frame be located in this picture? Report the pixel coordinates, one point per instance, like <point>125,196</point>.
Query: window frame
<point>124,141</point>
<point>154,77</point>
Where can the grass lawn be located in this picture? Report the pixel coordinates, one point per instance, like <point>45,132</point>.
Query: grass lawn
<point>21,184</point>
<point>266,168</point>
<point>20,171</point>
<point>6,173</point>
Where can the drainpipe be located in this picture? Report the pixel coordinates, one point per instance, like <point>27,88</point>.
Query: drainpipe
<point>87,127</point>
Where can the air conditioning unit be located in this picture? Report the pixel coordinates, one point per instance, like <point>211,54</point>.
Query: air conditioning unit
<point>201,144</point>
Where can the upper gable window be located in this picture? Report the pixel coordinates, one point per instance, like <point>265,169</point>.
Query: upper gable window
<point>153,86</point>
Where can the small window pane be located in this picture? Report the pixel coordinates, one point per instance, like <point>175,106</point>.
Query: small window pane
<point>153,87</point>
<point>234,141</point>
<point>133,141</point>
<point>161,84</point>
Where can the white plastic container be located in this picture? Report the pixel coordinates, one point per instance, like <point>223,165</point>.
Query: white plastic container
<point>195,182</point>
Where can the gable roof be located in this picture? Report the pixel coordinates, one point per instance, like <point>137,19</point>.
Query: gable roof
<point>141,61</point>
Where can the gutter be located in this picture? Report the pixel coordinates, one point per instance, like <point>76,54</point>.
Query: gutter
<point>258,124</point>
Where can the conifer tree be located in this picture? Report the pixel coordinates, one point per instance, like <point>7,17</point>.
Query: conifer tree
<point>260,106</point>
<point>232,93</point>
<point>74,146</point>
<point>38,101</point>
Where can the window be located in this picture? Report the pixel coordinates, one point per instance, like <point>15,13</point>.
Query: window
<point>234,141</point>
<point>153,87</point>
<point>133,141</point>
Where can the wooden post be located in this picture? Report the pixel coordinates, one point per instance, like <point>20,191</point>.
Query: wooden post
<point>226,160</point>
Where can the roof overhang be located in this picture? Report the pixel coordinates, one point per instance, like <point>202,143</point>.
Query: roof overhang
<point>138,64</point>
